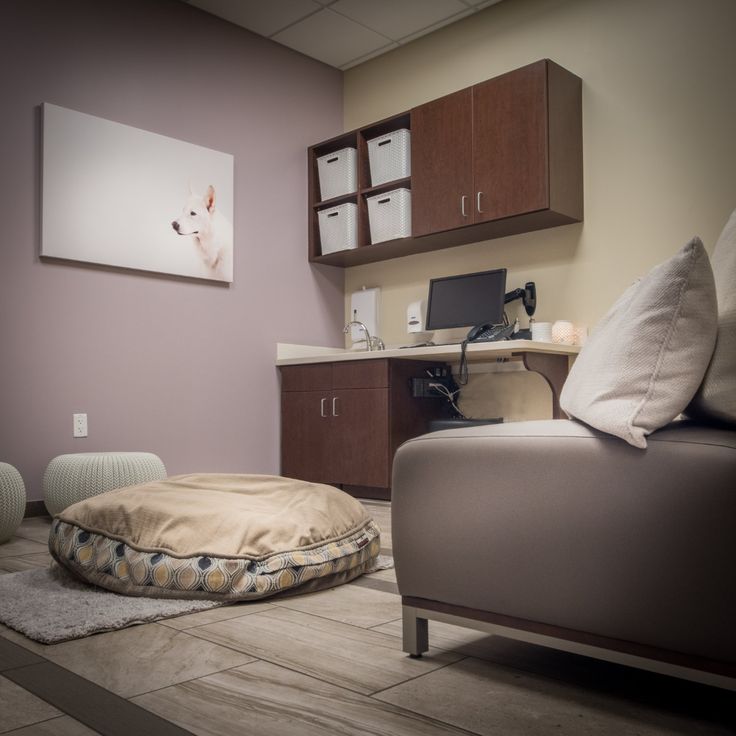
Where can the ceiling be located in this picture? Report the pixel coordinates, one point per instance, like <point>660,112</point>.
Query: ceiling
<point>342,33</point>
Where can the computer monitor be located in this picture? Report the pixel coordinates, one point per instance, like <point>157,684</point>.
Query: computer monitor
<point>466,300</point>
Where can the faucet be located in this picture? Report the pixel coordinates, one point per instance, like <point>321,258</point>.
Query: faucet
<point>371,343</point>
<point>368,338</point>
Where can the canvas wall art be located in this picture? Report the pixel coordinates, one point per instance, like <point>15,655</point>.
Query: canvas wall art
<point>120,196</point>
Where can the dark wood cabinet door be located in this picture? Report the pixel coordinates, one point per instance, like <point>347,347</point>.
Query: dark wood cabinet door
<point>510,156</point>
<point>306,436</point>
<point>361,432</point>
<point>441,164</point>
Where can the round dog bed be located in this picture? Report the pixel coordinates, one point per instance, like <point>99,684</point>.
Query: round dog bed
<point>228,537</point>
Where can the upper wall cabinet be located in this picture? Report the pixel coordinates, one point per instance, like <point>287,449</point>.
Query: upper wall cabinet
<point>499,158</point>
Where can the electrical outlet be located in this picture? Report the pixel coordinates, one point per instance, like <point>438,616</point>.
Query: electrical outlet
<point>80,425</point>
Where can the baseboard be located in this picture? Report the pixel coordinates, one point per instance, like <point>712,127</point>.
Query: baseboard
<point>379,494</point>
<point>35,508</point>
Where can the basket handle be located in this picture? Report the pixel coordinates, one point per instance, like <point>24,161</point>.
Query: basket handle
<point>333,214</point>
<point>383,201</point>
<point>333,159</point>
<point>383,143</point>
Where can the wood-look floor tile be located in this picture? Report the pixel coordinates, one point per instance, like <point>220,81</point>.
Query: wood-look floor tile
<point>467,641</point>
<point>264,699</point>
<point>23,641</point>
<point>387,575</point>
<point>385,586</point>
<point>359,659</point>
<point>17,546</point>
<point>36,528</point>
<point>63,726</point>
<point>20,708</point>
<point>490,700</point>
<point>89,703</point>
<point>142,658</point>
<point>382,516</point>
<point>350,604</point>
<point>25,562</point>
<point>190,620</point>
<point>568,668</point>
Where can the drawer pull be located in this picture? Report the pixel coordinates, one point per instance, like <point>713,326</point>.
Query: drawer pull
<point>322,407</point>
<point>334,407</point>
<point>477,201</point>
<point>462,205</point>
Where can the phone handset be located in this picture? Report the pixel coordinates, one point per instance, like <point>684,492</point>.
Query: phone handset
<point>489,333</point>
<point>478,331</point>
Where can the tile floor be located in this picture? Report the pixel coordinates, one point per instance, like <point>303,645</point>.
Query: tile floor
<point>325,663</point>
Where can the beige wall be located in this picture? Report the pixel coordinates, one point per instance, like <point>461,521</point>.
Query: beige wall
<point>659,109</point>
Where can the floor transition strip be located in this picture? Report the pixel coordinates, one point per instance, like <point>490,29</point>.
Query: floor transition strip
<point>101,710</point>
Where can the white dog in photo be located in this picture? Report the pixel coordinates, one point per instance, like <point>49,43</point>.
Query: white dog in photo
<point>212,233</point>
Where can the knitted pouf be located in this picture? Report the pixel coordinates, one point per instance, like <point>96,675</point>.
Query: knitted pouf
<point>72,478</point>
<point>12,501</point>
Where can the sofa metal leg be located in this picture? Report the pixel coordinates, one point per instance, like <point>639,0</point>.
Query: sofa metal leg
<point>415,632</point>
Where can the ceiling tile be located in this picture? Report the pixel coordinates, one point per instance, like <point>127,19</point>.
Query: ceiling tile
<point>366,57</point>
<point>398,19</point>
<point>331,38</point>
<point>430,29</point>
<point>264,18</point>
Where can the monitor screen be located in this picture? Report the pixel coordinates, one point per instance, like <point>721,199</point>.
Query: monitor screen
<point>467,300</point>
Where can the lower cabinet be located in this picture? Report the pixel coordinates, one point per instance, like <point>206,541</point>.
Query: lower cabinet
<point>342,422</point>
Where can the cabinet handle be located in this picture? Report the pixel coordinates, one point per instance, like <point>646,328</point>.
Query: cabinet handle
<point>462,205</point>
<point>334,407</point>
<point>477,201</point>
<point>322,407</point>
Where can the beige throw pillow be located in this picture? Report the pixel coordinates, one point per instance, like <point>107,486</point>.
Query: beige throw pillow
<point>647,356</point>
<point>716,397</point>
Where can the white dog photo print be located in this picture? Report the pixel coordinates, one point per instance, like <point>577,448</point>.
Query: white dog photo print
<point>120,196</point>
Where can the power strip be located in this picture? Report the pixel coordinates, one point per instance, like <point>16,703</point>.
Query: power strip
<point>421,388</point>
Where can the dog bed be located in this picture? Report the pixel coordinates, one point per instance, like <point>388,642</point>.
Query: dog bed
<point>224,537</point>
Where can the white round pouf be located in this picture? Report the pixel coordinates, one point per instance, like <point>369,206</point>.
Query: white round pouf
<point>12,501</point>
<point>72,478</point>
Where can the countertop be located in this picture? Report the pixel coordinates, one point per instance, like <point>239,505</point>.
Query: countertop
<point>290,354</point>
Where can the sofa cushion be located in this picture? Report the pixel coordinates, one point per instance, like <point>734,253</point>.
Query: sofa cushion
<point>647,356</point>
<point>716,397</point>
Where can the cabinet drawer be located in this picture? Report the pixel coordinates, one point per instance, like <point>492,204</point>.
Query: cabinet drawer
<point>312,377</point>
<point>360,374</point>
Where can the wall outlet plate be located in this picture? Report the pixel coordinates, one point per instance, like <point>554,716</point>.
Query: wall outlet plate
<point>80,425</point>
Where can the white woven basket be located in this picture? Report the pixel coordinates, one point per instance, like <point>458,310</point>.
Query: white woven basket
<point>338,228</point>
<point>72,478</point>
<point>390,156</point>
<point>389,215</point>
<point>338,173</point>
<point>12,501</point>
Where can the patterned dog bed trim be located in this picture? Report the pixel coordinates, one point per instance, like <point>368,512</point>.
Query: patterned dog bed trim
<point>116,566</point>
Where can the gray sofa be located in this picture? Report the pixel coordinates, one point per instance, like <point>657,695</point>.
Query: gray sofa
<point>557,534</point>
<point>562,535</point>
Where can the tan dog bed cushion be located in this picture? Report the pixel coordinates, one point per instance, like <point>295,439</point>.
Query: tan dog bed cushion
<point>231,537</point>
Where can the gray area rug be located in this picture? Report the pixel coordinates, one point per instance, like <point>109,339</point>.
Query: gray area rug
<point>50,606</point>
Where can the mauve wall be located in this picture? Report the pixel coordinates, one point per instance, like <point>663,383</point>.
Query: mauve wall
<point>181,368</point>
